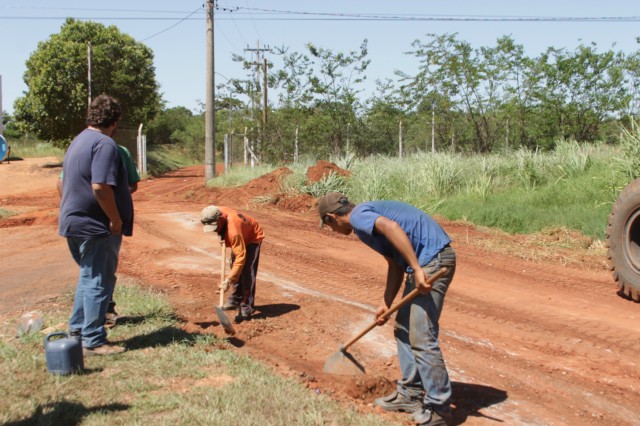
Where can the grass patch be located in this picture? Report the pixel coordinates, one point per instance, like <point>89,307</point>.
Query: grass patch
<point>167,376</point>
<point>165,158</point>
<point>31,148</point>
<point>5,213</point>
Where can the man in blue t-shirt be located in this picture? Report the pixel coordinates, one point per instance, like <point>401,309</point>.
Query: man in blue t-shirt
<point>133,177</point>
<point>96,210</point>
<point>413,244</point>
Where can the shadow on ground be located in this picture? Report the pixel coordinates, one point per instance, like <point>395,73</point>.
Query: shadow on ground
<point>470,398</point>
<point>64,413</point>
<point>274,310</point>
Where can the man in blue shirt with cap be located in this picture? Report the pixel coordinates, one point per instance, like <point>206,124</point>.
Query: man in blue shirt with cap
<point>413,244</point>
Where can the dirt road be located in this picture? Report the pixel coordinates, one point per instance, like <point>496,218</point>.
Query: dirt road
<point>533,331</point>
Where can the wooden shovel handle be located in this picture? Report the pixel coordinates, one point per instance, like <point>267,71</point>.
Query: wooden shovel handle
<point>408,298</point>
<point>223,264</point>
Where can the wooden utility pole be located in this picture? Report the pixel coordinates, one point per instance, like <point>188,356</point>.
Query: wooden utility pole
<point>210,113</point>
<point>264,90</point>
<point>261,64</point>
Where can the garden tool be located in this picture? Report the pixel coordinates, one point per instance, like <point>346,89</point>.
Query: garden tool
<point>222,315</point>
<point>342,362</point>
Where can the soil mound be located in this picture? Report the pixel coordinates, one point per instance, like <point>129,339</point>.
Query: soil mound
<point>266,184</point>
<point>323,168</point>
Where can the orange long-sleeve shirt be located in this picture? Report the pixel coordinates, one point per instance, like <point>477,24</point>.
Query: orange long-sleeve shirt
<point>241,230</point>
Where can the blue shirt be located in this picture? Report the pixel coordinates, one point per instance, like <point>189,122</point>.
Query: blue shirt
<point>425,235</point>
<point>92,158</point>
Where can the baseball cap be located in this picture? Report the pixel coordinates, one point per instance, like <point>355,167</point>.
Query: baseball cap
<point>329,203</point>
<point>209,218</point>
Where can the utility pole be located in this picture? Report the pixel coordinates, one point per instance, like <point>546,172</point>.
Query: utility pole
<point>210,113</point>
<point>260,51</point>
<point>264,106</point>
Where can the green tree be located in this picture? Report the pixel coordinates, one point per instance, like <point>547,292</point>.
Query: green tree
<point>165,123</point>
<point>583,88</point>
<point>55,105</point>
<point>334,85</point>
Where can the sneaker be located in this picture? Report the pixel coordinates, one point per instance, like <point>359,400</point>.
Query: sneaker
<point>106,349</point>
<point>75,335</point>
<point>398,402</point>
<point>431,417</point>
<point>111,318</point>
<point>230,305</point>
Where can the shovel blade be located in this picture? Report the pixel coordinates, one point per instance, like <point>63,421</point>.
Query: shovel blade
<point>224,321</point>
<point>344,364</point>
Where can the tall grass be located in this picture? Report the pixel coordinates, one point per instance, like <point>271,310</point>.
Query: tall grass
<point>525,191</point>
<point>28,147</point>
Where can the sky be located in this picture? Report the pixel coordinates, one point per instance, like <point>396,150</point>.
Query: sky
<point>176,32</point>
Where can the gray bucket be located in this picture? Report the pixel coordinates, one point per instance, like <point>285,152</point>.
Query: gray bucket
<point>64,356</point>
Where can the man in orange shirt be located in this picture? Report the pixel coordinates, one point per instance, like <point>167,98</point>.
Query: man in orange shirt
<point>244,235</point>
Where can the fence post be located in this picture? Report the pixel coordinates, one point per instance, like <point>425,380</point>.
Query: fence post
<point>226,153</point>
<point>400,140</point>
<point>295,150</point>
<point>246,147</point>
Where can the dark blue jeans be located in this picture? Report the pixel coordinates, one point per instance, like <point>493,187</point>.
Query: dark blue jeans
<point>244,291</point>
<point>98,261</point>
<point>416,331</point>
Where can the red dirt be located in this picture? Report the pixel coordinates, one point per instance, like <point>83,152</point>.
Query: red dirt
<point>322,169</point>
<point>533,330</point>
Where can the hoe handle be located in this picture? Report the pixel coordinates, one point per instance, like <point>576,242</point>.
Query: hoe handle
<point>408,298</point>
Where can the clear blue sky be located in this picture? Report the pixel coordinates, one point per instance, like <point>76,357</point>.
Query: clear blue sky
<point>180,50</point>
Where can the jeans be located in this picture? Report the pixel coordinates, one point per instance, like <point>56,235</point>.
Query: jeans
<point>98,261</point>
<point>416,331</point>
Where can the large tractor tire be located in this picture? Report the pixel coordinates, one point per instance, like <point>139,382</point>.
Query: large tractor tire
<point>623,241</point>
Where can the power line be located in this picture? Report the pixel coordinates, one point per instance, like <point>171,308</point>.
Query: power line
<point>167,29</point>
<point>371,18</point>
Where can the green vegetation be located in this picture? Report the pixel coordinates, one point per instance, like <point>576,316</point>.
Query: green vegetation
<point>167,376</point>
<point>572,187</point>
<point>55,104</point>
<point>26,147</point>
<point>458,97</point>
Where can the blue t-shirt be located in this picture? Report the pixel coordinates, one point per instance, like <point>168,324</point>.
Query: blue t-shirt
<point>424,233</point>
<point>92,158</point>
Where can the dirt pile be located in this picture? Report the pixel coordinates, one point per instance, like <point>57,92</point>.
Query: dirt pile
<point>285,200</point>
<point>322,169</point>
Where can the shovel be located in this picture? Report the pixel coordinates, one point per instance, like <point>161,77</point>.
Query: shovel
<point>342,362</point>
<point>222,315</point>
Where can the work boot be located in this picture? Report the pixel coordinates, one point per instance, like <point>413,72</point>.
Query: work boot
<point>243,315</point>
<point>398,402</point>
<point>430,416</point>
<point>106,349</point>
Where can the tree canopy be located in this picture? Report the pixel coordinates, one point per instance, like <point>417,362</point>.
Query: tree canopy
<point>55,104</point>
